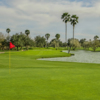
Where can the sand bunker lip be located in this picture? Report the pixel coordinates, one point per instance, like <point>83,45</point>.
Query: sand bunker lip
<point>2,52</point>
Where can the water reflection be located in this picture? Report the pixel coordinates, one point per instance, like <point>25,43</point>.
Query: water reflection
<point>80,56</point>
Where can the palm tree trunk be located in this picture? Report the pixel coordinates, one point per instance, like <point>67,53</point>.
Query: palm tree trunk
<point>47,43</point>
<point>8,41</point>
<point>73,31</point>
<point>65,32</point>
<point>73,38</point>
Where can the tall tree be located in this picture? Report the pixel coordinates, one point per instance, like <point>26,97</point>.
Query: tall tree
<point>2,39</point>
<point>53,43</point>
<point>16,40</point>
<point>57,36</point>
<point>74,21</point>
<point>66,18</point>
<point>82,41</point>
<point>8,31</point>
<point>47,37</point>
<point>40,41</point>
<point>95,44</point>
<point>27,32</point>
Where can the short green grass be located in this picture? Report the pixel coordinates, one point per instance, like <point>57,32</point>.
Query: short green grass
<point>32,79</point>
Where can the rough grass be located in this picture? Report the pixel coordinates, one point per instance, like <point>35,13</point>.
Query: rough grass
<point>30,79</point>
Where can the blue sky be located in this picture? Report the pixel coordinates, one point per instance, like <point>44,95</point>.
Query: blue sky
<point>44,16</point>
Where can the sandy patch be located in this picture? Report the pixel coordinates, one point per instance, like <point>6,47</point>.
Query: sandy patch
<point>2,52</point>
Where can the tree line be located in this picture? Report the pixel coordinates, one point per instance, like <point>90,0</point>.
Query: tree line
<point>21,40</point>
<point>93,44</point>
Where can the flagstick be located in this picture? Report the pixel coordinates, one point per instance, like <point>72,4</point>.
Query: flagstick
<point>10,47</point>
<point>9,62</point>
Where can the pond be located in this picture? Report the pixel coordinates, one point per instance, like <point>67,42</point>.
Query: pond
<point>80,56</point>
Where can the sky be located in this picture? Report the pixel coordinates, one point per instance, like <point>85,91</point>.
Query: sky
<point>44,16</point>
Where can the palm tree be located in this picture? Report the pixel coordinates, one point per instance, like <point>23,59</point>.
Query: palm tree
<point>8,30</point>
<point>47,37</point>
<point>74,21</point>
<point>66,18</point>
<point>96,37</point>
<point>57,38</point>
<point>27,32</point>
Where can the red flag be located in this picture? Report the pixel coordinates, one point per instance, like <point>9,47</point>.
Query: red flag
<point>11,45</point>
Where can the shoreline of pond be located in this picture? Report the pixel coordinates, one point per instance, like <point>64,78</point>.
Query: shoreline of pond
<point>79,56</point>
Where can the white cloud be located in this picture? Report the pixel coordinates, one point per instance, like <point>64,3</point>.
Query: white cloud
<point>84,35</point>
<point>42,15</point>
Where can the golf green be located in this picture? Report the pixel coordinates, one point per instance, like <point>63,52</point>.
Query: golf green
<point>32,79</point>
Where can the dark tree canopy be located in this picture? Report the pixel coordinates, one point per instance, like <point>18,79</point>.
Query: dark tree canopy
<point>57,36</point>
<point>8,30</point>
<point>20,40</point>
<point>47,36</point>
<point>74,20</point>
<point>66,17</point>
<point>27,32</point>
<point>40,41</point>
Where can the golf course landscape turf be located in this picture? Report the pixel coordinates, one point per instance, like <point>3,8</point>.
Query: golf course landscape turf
<point>32,79</point>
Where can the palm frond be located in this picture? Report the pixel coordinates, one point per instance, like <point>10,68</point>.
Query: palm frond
<point>8,30</point>
<point>27,32</point>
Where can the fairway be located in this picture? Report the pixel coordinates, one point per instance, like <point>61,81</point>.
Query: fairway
<point>32,79</point>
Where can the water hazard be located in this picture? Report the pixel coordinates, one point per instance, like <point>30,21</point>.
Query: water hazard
<point>80,56</point>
